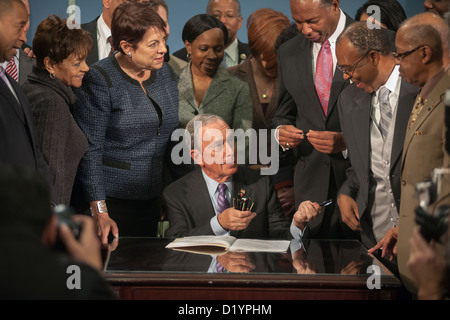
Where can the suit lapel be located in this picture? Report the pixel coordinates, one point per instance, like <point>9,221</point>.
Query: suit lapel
<point>186,87</point>
<point>272,107</point>
<point>13,103</point>
<point>433,100</point>
<point>305,70</point>
<point>406,99</point>
<point>217,86</point>
<point>338,78</point>
<point>336,88</point>
<point>360,115</point>
<point>199,200</point>
<point>91,27</point>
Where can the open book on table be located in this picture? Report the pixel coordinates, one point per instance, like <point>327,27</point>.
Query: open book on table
<point>216,245</point>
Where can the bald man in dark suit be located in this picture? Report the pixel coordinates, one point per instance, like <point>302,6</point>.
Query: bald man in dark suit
<point>305,108</point>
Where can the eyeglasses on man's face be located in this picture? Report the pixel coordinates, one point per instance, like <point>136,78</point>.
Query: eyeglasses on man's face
<point>403,55</point>
<point>349,71</point>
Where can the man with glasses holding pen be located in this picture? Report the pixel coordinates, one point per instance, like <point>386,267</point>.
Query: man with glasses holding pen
<point>373,112</point>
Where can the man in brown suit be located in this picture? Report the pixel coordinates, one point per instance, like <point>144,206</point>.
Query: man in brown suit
<point>419,53</point>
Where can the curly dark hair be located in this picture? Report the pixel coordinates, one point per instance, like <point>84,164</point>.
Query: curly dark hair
<point>365,39</point>
<point>54,39</point>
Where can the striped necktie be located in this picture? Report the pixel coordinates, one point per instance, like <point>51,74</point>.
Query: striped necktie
<point>222,200</point>
<point>11,69</point>
<point>385,111</point>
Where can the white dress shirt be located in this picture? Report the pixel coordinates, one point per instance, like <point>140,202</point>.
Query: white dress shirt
<point>393,84</point>
<point>231,55</point>
<point>103,32</point>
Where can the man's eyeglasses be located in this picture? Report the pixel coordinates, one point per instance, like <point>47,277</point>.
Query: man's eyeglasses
<point>403,55</point>
<point>349,71</point>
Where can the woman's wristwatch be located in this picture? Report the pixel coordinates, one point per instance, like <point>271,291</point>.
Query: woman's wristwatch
<point>101,207</point>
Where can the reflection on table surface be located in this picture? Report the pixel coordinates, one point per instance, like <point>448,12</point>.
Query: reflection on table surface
<point>328,257</point>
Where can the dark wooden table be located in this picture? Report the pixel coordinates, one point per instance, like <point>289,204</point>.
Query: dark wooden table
<point>142,268</point>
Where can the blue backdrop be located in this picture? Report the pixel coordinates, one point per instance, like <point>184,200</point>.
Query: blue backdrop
<point>181,10</point>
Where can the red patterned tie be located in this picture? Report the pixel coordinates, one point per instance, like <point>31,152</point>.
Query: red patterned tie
<point>324,75</point>
<point>11,69</point>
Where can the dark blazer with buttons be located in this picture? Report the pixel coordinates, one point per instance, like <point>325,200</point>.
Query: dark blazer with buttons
<point>299,105</point>
<point>128,130</point>
<point>354,107</point>
<point>189,208</point>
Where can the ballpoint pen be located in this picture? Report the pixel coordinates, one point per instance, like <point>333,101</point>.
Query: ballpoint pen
<point>326,203</point>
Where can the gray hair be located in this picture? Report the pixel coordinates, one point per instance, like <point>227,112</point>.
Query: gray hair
<point>423,28</point>
<point>323,3</point>
<point>205,119</point>
<point>425,34</point>
<point>365,39</point>
<point>237,1</point>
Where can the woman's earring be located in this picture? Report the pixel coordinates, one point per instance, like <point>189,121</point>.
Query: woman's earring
<point>188,56</point>
<point>52,76</point>
<point>129,54</point>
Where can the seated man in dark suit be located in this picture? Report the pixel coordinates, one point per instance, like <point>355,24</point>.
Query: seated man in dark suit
<point>197,205</point>
<point>30,266</point>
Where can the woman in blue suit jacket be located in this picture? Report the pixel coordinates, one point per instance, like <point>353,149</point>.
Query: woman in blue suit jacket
<point>128,108</point>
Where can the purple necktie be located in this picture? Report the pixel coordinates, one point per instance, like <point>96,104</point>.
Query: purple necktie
<point>2,75</point>
<point>222,200</point>
<point>324,75</point>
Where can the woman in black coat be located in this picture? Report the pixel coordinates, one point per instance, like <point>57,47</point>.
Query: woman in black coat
<point>60,58</point>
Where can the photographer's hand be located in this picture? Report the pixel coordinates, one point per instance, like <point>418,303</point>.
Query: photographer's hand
<point>87,248</point>
<point>427,267</point>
